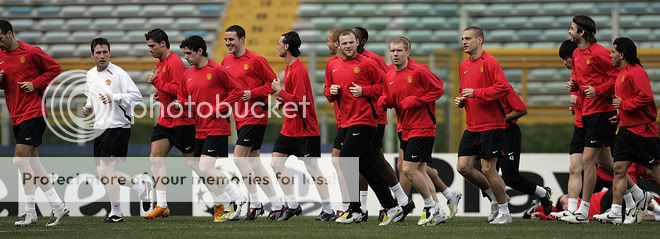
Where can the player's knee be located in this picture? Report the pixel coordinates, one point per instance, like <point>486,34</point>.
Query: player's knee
<point>463,169</point>
<point>156,161</point>
<point>277,165</point>
<point>620,169</point>
<point>22,161</point>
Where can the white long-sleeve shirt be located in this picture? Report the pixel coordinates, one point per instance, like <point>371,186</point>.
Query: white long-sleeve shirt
<point>115,82</point>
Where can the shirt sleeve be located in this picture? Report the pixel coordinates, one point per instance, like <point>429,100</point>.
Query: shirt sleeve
<point>328,82</point>
<point>515,102</point>
<point>609,71</point>
<point>267,75</point>
<point>643,92</point>
<point>130,94</point>
<point>500,86</point>
<point>234,93</point>
<point>175,74</point>
<point>47,66</point>
<point>432,84</point>
<point>376,87</point>
<point>300,79</point>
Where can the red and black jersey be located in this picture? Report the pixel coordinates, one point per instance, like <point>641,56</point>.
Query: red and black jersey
<point>593,67</point>
<point>637,112</point>
<point>380,63</point>
<point>513,102</point>
<point>484,111</point>
<point>167,79</point>
<point>26,63</point>
<point>577,107</point>
<point>360,71</point>
<point>413,91</point>
<point>326,88</point>
<point>299,120</point>
<point>211,89</point>
<point>251,72</point>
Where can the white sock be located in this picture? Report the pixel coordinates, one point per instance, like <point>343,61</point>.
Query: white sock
<point>54,199</point>
<point>327,206</point>
<point>628,198</point>
<point>161,198</point>
<point>276,203</point>
<point>584,208</point>
<point>232,191</point>
<point>363,200</point>
<point>572,204</point>
<point>637,193</point>
<point>656,217</point>
<point>138,187</point>
<point>344,206</point>
<point>428,202</point>
<point>448,193</point>
<point>616,209</point>
<point>540,192</point>
<point>503,208</point>
<point>491,194</point>
<point>116,209</point>
<point>30,203</point>
<point>291,201</point>
<point>254,200</point>
<point>221,199</point>
<point>399,194</point>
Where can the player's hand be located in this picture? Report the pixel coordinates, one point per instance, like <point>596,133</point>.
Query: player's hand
<point>616,102</point>
<point>355,90</point>
<point>86,110</point>
<point>614,119</point>
<point>334,89</point>
<point>589,91</point>
<point>276,85</point>
<point>572,100</point>
<point>279,102</point>
<point>26,86</point>
<point>459,101</point>
<point>535,216</point>
<point>570,109</point>
<point>150,77</point>
<point>468,92</point>
<point>247,95</point>
<point>106,99</point>
<point>571,86</point>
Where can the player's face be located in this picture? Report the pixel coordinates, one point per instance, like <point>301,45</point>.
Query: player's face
<point>616,56</point>
<point>471,41</point>
<point>348,45</point>
<point>568,62</point>
<point>573,32</point>
<point>233,43</point>
<point>156,49</point>
<point>191,56</point>
<point>5,40</point>
<point>281,47</point>
<point>398,54</point>
<point>101,56</point>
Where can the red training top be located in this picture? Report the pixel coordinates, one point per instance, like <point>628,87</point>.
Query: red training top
<point>299,120</point>
<point>167,79</point>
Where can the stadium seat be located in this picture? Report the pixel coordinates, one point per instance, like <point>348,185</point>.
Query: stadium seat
<point>489,22</point>
<point>133,23</point>
<point>446,9</point>
<point>200,33</point>
<point>516,45</point>
<point>77,24</point>
<point>50,24</point>
<point>120,50</point>
<point>555,35</point>
<point>103,24</point>
<point>22,24</point>
<point>48,11</point>
<point>311,36</point>
<point>555,8</point>
<point>578,8</point>
<point>348,22</point>
<point>433,22</point>
<point>56,37</point>
<point>100,11</point>
<point>606,7</point>
<point>475,8</point>
<point>502,35</point>
<point>529,35</point>
<point>336,9</point>
<point>602,21</point>
<point>427,48</point>
<point>113,36</point>
<point>419,9</point>
<point>450,36</point>
<point>162,22</point>
<point>29,37</point>
<point>514,22</point>
<point>19,11</point>
<point>542,21</point>
<point>542,100</point>
<point>628,21</point>
<point>405,23</point>
<point>309,10</point>
<point>649,21</point>
<point>513,75</point>
<point>183,10</point>
<point>553,45</point>
<point>188,23</point>
<point>656,7</point>
<point>323,22</point>
<point>528,9</point>
<point>420,35</point>
<point>543,74</point>
<point>501,9</point>
<point>74,11</point>
<point>83,36</point>
<point>135,36</point>
<point>154,10</point>
<point>377,22</point>
<point>61,50</point>
<point>604,35</point>
<point>215,9</point>
<point>364,9</point>
<point>392,9</point>
<point>638,34</point>
<point>635,7</point>
<point>128,10</point>
<point>386,35</point>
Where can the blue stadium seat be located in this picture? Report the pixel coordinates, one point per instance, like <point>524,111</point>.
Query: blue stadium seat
<point>100,11</point>
<point>450,36</point>
<point>311,36</point>
<point>162,22</point>
<point>216,9</point>
<point>48,11</point>
<point>638,34</point>
<point>515,22</point>
<point>433,22</point>
<point>200,33</point>
<point>605,7</point>
<point>529,35</point>
<point>553,45</point>
<point>543,74</point>
<point>542,21</point>
<point>555,8</point>
<point>349,22</point>
<point>323,22</point>
<point>106,24</point>
<point>555,34</point>
<point>628,21</point>
<point>516,45</point>
<point>578,8</point>
<point>79,24</point>
<point>489,22</point>
<point>139,49</point>
<point>502,35</point>
<point>602,21</point>
<point>649,20</point>
<point>386,35</point>
<point>513,75</point>
<point>420,35</point>
<point>19,11</point>
<point>62,50</point>
<point>135,36</point>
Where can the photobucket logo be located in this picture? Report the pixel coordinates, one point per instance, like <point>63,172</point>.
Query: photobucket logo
<point>64,99</point>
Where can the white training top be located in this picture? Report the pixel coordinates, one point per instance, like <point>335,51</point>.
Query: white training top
<point>123,91</point>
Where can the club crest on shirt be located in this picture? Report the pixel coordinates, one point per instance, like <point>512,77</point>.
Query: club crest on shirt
<point>21,59</point>
<point>481,68</point>
<point>356,70</point>
<point>246,67</point>
<point>588,61</point>
<point>108,82</point>
<point>209,76</point>
<point>409,79</point>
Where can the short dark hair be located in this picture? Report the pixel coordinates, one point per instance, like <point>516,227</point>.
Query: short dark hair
<point>5,26</point>
<point>480,32</point>
<point>627,47</point>
<point>194,43</point>
<point>293,39</point>
<point>240,32</point>
<point>347,32</point>
<point>566,49</point>
<point>587,25</point>
<point>158,35</point>
<point>99,41</point>
<point>361,33</point>
<point>559,205</point>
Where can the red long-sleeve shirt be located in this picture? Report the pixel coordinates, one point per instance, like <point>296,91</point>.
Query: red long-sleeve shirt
<point>358,70</point>
<point>484,111</point>
<point>300,122</point>
<point>513,103</point>
<point>251,72</point>
<point>211,89</point>
<point>593,67</point>
<point>380,63</point>
<point>26,63</point>
<point>326,89</point>
<point>413,91</point>
<point>167,80</point>
<point>577,107</point>
<point>637,112</point>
